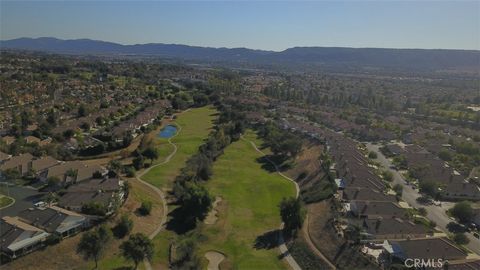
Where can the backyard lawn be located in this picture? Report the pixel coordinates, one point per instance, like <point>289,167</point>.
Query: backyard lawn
<point>249,207</point>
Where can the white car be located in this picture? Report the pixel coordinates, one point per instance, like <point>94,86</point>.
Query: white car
<point>40,204</point>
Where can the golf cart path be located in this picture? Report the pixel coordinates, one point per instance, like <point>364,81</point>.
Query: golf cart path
<point>282,246</point>
<point>159,192</point>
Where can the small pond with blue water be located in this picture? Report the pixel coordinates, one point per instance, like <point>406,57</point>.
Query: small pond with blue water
<point>167,132</point>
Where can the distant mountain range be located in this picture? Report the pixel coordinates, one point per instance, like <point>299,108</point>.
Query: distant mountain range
<point>336,57</point>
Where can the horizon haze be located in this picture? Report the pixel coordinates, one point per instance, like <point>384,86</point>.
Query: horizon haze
<point>261,25</point>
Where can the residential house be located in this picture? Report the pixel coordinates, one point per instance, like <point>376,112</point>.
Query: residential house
<point>8,139</point>
<point>41,165</point>
<point>427,248</point>
<point>54,219</point>
<point>75,201</point>
<point>393,228</point>
<point>19,238</point>
<point>103,191</point>
<point>32,139</point>
<point>377,209</point>
<point>4,157</point>
<point>21,163</point>
<point>73,171</point>
<point>461,191</point>
<point>365,194</point>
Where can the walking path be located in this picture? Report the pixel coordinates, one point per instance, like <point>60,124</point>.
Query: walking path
<point>306,231</point>
<point>159,192</point>
<point>282,246</point>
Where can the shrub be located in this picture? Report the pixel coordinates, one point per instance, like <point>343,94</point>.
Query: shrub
<point>129,171</point>
<point>123,227</point>
<point>145,208</point>
<point>94,208</point>
<point>372,155</point>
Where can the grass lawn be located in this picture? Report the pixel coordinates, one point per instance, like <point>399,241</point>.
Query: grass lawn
<point>249,209</point>
<point>5,200</point>
<point>196,124</point>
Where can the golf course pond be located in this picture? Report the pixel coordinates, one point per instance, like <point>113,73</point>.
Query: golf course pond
<point>167,132</point>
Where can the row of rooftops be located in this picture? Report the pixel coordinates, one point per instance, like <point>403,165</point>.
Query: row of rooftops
<point>436,170</point>
<point>381,217</point>
<point>45,167</point>
<point>32,227</point>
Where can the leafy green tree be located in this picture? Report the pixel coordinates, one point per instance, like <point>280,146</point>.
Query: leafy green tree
<point>293,214</point>
<point>429,188</point>
<point>115,165</point>
<point>150,153</point>
<point>372,155</point>
<point>461,239</point>
<point>137,248</point>
<point>139,162</point>
<point>194,200</point>
<point>463,211</point>
<point>92,244</point>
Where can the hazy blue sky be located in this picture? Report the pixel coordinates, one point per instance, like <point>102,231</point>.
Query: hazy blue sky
<point>259,25</point>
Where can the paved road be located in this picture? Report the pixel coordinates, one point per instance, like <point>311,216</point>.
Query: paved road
<point>24,197</point>
<point>435,213</point>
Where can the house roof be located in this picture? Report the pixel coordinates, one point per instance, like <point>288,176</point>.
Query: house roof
<point>78,199</point>
<point>16,161</point>
<point>32,139</point>
<point>463,189</point>
<point>366,194</point>
<point>378,209</point>
<point>472,264</point>
<point>51,219</point>
<point>60,169</point>
<point>8,139</point>
<point>4,156</point>
<point>96,184</point>
<point>44,163</point>
<point>15,234</point>
<point>388,226</point>
<point>429,248</point>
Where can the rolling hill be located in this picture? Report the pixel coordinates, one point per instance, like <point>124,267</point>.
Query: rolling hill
<point>334,57</point>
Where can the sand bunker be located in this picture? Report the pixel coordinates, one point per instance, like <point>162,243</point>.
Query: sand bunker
<point>214,259</point>
<point>212,215</point>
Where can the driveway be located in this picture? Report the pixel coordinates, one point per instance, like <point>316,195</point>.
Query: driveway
<point>410,195</point>
<point>24,197</point>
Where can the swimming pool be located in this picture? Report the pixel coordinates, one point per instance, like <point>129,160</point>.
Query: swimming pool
<point>168,131</point>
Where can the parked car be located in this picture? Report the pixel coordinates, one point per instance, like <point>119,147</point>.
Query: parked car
<point>40,204</point>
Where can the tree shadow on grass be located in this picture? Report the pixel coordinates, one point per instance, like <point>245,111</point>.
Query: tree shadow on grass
<point>266,162</point>
<point>178,222</point>
<point>267,240</point>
